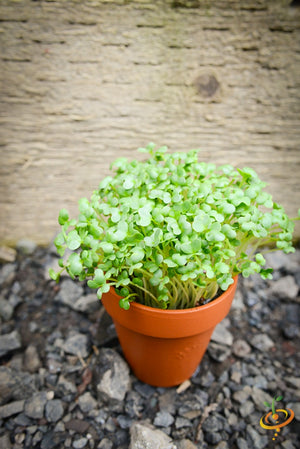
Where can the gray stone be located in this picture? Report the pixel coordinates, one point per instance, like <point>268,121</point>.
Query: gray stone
<point>5,442</point>
<point>182,422</point>
<point>242,395</point>
<point>144,436</point>
<point>256,440</point>
<point>185,444</point>
<point>246,408</point>
<point>111,376</point>
<point>287,444</point>
<point>213,424</point>
<point>240,348</point>
<point>15,385</point>
<point>7,273</point>
<point>163,419</point>
<point>10,342</point>
<point>13,408</point>
<point>261,342</point>
<point>34,406</point>
<point>54,410</point>
<point>218,352</point>
<point>105,444</point>
<point>26,246</point>
<point>221,334</point>
<point>87,304</point>
<point>69,293</point>
<point>242,443</point>
<point>238,302</point>
<point>86,402</point>
<point>7,254</point>
<point>32,361</point>
<point>80,443</point>
<point>285,288</point>
<point>6,309</point>
<point>259,397</point>
<point>77,344</point>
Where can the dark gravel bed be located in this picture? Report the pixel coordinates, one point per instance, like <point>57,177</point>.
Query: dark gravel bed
<point>65,384</point>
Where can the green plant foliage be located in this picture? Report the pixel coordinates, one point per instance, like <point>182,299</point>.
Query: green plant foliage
<point>170,232</point>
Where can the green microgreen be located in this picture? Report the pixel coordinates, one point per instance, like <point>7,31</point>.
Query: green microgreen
<point>170,232</point>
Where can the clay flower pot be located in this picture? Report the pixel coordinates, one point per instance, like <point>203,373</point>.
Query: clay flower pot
<point>164,347</point>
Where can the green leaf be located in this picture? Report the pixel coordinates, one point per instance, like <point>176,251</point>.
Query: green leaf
<point>137,255</point>
<point>75,264</point>
<point>267,404</point>
<point>279,398</point>
<point>55,276</point>
<point>73,240</point>
<point>124,303</point>
<point>63,216</point>
<point>107,247</point>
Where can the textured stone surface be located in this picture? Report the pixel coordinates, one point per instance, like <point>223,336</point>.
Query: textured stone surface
<point>84,84</point>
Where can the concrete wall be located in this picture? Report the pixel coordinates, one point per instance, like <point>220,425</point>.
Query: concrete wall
<point>84,82</point>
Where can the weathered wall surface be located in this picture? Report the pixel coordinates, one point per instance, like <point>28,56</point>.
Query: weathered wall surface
<point>83,82</point>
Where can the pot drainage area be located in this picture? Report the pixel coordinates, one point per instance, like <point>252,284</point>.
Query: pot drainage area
<point>65,384</point>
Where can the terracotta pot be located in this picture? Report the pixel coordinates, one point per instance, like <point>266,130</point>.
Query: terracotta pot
<point>164,347</point>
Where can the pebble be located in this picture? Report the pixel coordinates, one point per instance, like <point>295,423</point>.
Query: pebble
<point>77,344</point>
<point>86,402</point>
<point>285,288</point>
<point>111,376</point>
<point>32,361</point>
<point>163,419</point>
<point>261,342</point>
<point>10,342</point>
<point>6,310</point>
<point>221,334</point>
<point>218,352</point>
<point>34,406</point>
<point>241,348</point>
<point>144,436</point>
<point>26,246</point>
<point>54,410</point>
<point>69,292</point>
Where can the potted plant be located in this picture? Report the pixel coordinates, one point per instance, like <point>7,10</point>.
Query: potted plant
<point>163,242</point>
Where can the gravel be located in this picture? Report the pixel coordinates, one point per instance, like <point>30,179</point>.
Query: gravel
<point>65,384</point>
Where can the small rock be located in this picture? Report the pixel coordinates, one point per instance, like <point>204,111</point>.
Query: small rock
<point>256,440</point>
<point>285,288</point>
<point>246,409</point>
<point>87,304</point>
<point>6,309</point>
<point>87,402</point>
<point>5,442</point>
<point>218,352</point>
<point>242,395</point>
<point>111,376</point>
<point>144,436</point>
<point>182,422</point>
<point>222,335</point>
<point>77,425</point>
<point>80,443</point>
<point>163,419</point>
<point>34,406</point>
<point>13,408</point>
<point>185,444</point>
<point>15,385</point>
<point>241,348</point>
<point>78,345</point>
<point>287,444</point>
<point>9,342</point>
<point>32,361</point>
<point>69,292</point>
<point>7,274</point>
<point>105,444</point>
<point>26,246</point>
<point>261,342</point>
<point>242,443</point>
<point>259,397</point>
<point>54,410</point>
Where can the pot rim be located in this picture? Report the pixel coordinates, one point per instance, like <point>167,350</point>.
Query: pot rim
<point>164,323</point>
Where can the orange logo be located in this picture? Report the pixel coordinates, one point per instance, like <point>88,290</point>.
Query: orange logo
<point>276,418</point>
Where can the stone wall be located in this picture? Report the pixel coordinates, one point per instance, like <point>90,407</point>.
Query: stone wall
<point>83,82</point>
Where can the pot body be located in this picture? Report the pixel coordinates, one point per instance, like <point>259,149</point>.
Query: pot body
<point>164,347</point>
